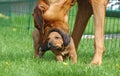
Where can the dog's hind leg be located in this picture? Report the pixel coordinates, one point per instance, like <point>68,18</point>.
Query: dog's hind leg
<point>72,51</point>
<point>83,14</point>
<point>99,7</point>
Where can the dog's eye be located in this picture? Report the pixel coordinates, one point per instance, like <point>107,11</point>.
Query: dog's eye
<point>56,37</point>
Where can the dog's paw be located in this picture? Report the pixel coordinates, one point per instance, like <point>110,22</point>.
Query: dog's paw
<point>97,60</point>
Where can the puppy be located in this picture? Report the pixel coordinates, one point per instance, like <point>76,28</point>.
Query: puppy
<point>56,44</point>
<point>57,39</point>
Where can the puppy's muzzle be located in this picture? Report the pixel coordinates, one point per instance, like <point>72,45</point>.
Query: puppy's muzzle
<point>50,44</point>
<point>54,46</point>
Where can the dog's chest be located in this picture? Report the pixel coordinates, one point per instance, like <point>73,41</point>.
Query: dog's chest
<point>63,53</point>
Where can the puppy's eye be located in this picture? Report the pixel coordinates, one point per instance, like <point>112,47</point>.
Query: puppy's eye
<point>56,37</point>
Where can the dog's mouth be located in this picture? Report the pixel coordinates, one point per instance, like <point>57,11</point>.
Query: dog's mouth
<point>56,48</point>
<point>53,46</point>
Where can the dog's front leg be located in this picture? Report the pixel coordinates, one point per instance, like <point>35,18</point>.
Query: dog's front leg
<point>99,8</point>
<point>59,58</point>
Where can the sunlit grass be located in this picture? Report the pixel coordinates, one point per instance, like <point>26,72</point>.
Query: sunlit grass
<point>16,57</point>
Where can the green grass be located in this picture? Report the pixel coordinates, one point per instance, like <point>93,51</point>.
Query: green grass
<point>16,55</point>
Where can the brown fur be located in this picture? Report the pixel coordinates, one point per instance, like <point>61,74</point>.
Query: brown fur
<point>46,20</point>
<point>49,11</point>
<point>85,9</point>
<point>59,50</point>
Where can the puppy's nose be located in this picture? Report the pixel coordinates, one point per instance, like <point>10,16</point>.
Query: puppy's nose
<point>50,44</point>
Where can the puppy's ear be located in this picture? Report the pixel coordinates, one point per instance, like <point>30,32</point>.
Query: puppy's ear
<point>38,19</point>
<point>66,39</point>
<point>44,46</point>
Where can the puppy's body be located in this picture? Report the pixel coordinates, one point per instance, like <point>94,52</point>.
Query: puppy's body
<point>68,51</point>
<point>58,47</point>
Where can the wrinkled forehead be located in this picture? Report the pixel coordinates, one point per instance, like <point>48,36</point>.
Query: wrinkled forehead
<point>54,34</point>
<point>54,1</point>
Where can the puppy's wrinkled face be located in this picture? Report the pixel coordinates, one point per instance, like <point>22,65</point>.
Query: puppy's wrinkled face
<point>55,41</point>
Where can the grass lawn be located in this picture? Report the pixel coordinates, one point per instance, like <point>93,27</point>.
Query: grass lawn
<point>16,57</point>
<point>16,53</point>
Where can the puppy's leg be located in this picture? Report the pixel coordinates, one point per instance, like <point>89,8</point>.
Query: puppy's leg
<point>99,7</point>
<point>41,53</point>
<point>36,40</point>
<point>72,51</point>
<point>83,14</point>
<point>59,58</point>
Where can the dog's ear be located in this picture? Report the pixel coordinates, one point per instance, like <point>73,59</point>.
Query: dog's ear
<point>38,19</point>
<point>66,38</point>
<point>44,46</point>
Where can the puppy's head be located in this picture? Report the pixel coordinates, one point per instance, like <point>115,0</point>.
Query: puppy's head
<point>57,39</point>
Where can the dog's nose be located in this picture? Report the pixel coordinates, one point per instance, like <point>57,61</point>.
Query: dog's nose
<point>50,44</point>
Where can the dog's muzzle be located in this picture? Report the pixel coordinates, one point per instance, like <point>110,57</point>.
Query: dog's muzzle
<point>66,37</point>
<point>52,46</point>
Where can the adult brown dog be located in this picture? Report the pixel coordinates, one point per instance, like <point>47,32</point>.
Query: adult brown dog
<point>45,20</point>
<point>85,9</point>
